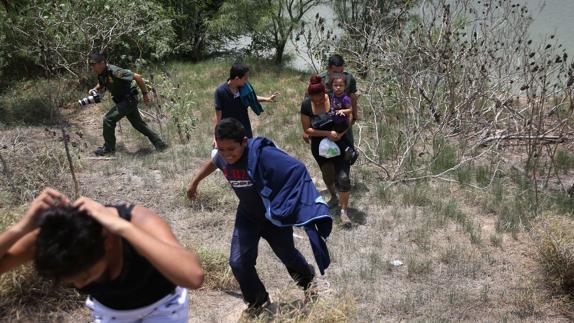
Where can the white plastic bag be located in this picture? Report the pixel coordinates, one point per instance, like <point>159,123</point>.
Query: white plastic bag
<point>328,149</point>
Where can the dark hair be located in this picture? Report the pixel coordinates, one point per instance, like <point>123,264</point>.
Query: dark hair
<point>229,128</point>
<point>336,60</point>
<point>238,70</point>
<point>97,57</point>
<point>337,76</point>
<point>69,242</point>
<point>316,85</point>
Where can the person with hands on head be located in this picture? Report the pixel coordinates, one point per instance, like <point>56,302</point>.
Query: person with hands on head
<point>124,93</point>
<point>124,257</point>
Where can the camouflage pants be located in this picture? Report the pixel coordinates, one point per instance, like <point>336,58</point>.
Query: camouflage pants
<point>128,108</point>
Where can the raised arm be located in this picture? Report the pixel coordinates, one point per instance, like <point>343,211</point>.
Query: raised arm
<point>18,242</point>
<point>268,98</point>
<point>152,237</point>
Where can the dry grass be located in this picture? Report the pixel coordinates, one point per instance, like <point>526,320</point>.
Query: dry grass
<point>325,310</point>
<point>555,244</point>
<point>35,158</point>
<point>218,275</point>
<point>26,297</point>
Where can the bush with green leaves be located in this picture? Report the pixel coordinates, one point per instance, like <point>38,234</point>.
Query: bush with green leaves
<point>270,23</point>
<point>59,35</point>
<point>190,19</point>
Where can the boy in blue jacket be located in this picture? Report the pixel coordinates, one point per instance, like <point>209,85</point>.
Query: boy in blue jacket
<point>275,193</point>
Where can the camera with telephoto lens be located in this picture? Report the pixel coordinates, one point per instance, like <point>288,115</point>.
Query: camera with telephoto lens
<point>94,97</point>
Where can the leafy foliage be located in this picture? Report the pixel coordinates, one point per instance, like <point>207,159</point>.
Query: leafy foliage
<point>366,23</point>
<point>268,23</point>
<point>58,36</point>
<point>190,20</point>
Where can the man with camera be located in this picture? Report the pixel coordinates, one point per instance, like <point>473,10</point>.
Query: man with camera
<point>124,93</point>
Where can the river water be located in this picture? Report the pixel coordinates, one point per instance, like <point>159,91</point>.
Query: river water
<point>550,17</point>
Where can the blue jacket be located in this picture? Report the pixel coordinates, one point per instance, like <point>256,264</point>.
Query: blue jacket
<point>249,98</point>
<point>289,195</point>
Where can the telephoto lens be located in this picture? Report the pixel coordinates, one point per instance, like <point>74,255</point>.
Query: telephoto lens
<point>93,98</point>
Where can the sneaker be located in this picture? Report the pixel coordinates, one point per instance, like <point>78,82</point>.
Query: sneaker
<point>254,311</point>
<point>161,146</point>
<point>351,155</point>
<point>345,221</point>
<point>104,151</point>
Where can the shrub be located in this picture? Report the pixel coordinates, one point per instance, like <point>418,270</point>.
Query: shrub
<point>554,237</point>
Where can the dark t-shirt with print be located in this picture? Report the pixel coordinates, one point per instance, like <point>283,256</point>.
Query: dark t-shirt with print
<point>230,105</point>
<point>249,200</point>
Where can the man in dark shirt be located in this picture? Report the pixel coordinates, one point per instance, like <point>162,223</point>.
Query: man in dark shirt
<point>124,94</point>
<point>228,103</point>
<point>251,222</point>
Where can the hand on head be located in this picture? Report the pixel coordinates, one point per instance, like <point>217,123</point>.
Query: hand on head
<point>108,217</point>
<point>49,197</point>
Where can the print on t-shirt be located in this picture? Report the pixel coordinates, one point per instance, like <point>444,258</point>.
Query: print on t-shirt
<point>237,177</point>
<point>236,174</point>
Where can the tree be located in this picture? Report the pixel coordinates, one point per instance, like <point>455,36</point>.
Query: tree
<point>190,20</point>
<point>58,36</point>
<point>269,23</point>
<point>366,23</point>
<point>462,84</point>
<point>314,42</point>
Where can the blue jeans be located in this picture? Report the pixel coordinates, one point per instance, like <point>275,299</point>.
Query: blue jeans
<point>243,256</point>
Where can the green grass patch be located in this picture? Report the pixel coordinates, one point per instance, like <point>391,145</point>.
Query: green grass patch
<point>482,175</point>
<point>218,274</point>
<point>418,265</point>
<point>415,194</point>
<point>563,202</point>
<point>464,174</point>
<point>451,210</point>
<point>444,158</point>
<point>564,161</point>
